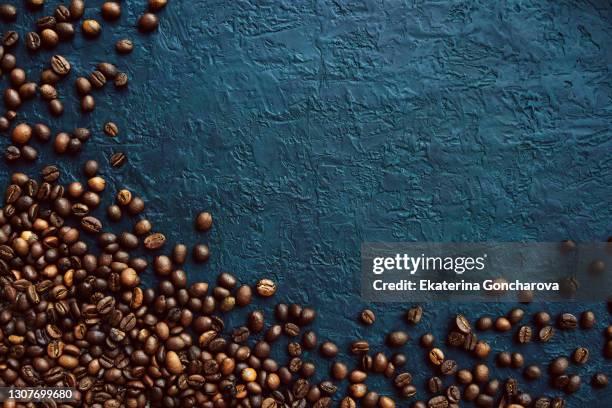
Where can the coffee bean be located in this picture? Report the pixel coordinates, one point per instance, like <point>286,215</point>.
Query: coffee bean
<point>154,241</point>
<point>481,373</point>
<point>91,224</point>
<point>558,366</point>
<point>567,321</point>
<point>148,22</point>
<point>266,288</point>
<point>121,80</point>
<point>97,79</point>
<point>111,129</point>
<point>124,46</point>
<point>587,320</point>
<point>436,356</point>
<point>573,385</point>
<point>471,392</point>
<point>402,380</point>
<point>414,315</point>
<point>10,38</point>
<point>464,376</point>
<point>397,338</point>
<point>328,349</point>
<point>8,12</point>
<point>117,159</point>
<point>580,355</point>
<point>88,103</point>
<point>91,28</point>
<point>516,315</point>
<point>524,334</point>
<point>60,65</point>
<point>427,340</point>
<point>502,324</point>
<point>546,333</point>
<point>532,372</point>
<point>111,10</point>
<point>367,317</point>
<point>455,339</point>
<point>434,385</point>
<point>484,323</point>
<point>449,367</point>
<point>463,325</point>
<point>599,380</point>
<point>50,173</point>
<point>504,359</point>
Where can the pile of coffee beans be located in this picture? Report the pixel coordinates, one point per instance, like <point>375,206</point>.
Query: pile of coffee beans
<point>74,311</point>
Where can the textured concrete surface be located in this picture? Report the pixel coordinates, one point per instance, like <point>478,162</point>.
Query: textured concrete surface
<point>310,127</point>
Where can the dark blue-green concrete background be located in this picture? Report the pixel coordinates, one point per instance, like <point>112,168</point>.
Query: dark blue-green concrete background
<point>307,128</point>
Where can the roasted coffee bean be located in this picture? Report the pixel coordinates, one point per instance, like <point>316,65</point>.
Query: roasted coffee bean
<point>266,288</point>
<point>455,339</point>
<point>360,347</point>
<point>117,160</point>
<point>434,385</point>
<point>449,367</point>
<point>10,38</point>
<point>524,334</point>
<point>328,349</point>
<point>462,324</point>
<point>402,380</point>
<point>60,65</point>
<point>201,253</point>
<point>91,28</point>
<point>414,315</point>
<point>517,360</point>
<point>546,333</point>
<point>367,317</point>
<point>91,225</point>
<point>111,10</point>
<point>573,385</point>
<point>502,324</point>
<point>587,320</point>
<point>599,380</point>
<point>111,129</point>
<point>397,338</point>
<point>436,356</point>
<point>504,359</point>
<point>567,321</point>
<point>427,340</point>
<point>580,355</point>
<point>558,366</point>
<point>532,372</point>
<point>124,46</point>
<point>148,22</point>
<point>121,80</point>
<point>438,402</point>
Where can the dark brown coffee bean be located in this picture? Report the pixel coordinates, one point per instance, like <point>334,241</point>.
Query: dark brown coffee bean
<point>558,366</point>
<point>367,317</point>
<point>532,372</point>
<point>436,356</point>
<point>524,334</point>
<point>121,80</point>
<point>328,349</point>
<point>148,22</point>
<point>359,347</point>
<point>414,315</point>
<point>117,159</point>
<point>455,339</point>
<point>567,321</point>
<point>449,367</point>
<point>124,46</point>
<point>155,241</point>
<point>8,12</point>
<point>91,28</point>
<point>427,340</point>
<point>397,338</point>
<point>434,385</point>
<point>546,333</point>
<point>580,355</point>
<point>91,225</point>
<point>88,103</point>
<point>573,385</point>
<point>463,324</point>
<point>10,38</point>
<point>379,363</point>
<point>201,253</point>
<point>402,380</point>
<point>50,173</point>
<point>587,319</point>
<point>97,79</point>
<point>541,319</point>
<point>111,129</point>
<point>111,10</point>
<point>309,340</point>
<point>60,65</point>
<point>599,380</point>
